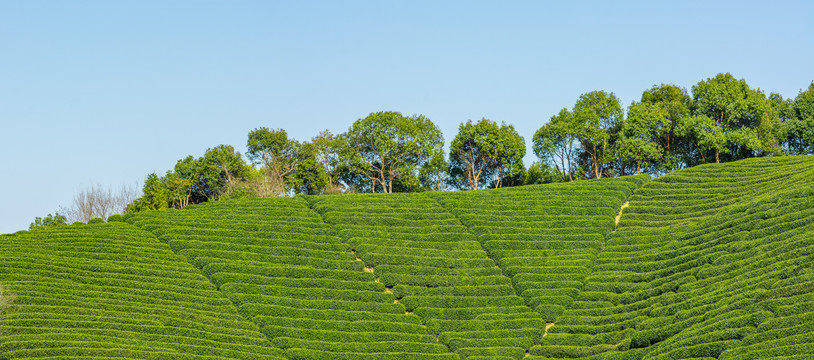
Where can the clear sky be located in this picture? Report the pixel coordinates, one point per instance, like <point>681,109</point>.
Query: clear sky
<point>109,91</point>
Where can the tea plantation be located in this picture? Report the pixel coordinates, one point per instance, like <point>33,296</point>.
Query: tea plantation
<point>711,262</point>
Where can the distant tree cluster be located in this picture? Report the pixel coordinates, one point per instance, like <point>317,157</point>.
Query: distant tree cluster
<point>48,222</point>
<point>722,119</point>
<point>220,173</point>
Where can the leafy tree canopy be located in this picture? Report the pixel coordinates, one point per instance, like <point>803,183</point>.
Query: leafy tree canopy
<point>48,222</point>
<point>597,114</point>
<point>485,151</point>
<point>387,147</point>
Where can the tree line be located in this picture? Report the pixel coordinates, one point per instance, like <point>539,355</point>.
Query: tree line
<point>721,119</point>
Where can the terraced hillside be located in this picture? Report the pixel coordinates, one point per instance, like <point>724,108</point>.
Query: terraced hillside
<point>437,270</point>
<point>546,238</point>
<point>113,291</point>
<point>286,271</point>
<point>712,262</point>
<point>715,261</point>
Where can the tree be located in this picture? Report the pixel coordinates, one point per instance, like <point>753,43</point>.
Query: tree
<point>541,173</point>
<point>509,157</point>
<point>209,175</point>
<point>705,134</point>
<point>326,146</point>
<point>49,222</point>
<point>676,105</point>
<point>596,115</point>
<point>220,172</point>
<point>387,147</point>
<point>736,109</point>
<point>155,195</point>
<point>555,143</point>
<point>485,151</point>
<point>434,173</point>
<point>639,135</point>
<point>799,125</point>
<point>97,201</point>
<point>276,152</point>
<point>309,177</point>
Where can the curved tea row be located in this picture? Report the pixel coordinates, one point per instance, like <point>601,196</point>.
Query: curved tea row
<point>710,262</point>
<point>284,269</point>
<point>113,291</point>
<point>544,237</point>
<point>437,270</point>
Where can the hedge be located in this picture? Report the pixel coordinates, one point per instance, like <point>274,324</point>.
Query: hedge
<point>308,354</point>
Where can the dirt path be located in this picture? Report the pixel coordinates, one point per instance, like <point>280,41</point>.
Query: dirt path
<point>547,326</point>
<point>619,216</point>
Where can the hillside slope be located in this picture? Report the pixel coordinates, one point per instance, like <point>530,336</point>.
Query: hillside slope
<point>545,238</point>
<point>437,270</point>
<point>712,262</point>
<point>113,291</point>
<point>709,262</point>
<point>288,272</point>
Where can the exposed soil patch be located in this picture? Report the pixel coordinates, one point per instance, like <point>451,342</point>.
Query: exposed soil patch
<point>6,298</point>
<point>619,216</point>
<point>547,326</point>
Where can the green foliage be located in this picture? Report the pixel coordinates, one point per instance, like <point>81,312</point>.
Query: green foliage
<point>540,173</point>
<point>708,262</point>
<point>386,148</point>
<point>639,134</point>
<point>555,143</point>
<point>309,177</point>
<point>211,177</point>
<point>485,154</point>
<point>280,158</point>
<point>800,127</point>
<point>676,105</point>
<point>724,120</point>
<point>596,115</point>
<point>434,173</point>
<point>733,107</point>
<point>707,135</point>
<point>285,269</point>
<point>155,195</point>
<point>435,269</point>
<point>112,290</point>
<point>209,174</point>
<point>49,222</point>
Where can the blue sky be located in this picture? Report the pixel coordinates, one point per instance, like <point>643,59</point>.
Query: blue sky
<point>109,91</point>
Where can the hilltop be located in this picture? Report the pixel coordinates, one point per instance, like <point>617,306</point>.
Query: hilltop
<point>710,262</point>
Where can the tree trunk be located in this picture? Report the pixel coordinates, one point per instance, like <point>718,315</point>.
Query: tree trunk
<point>383,180</point>
<point>595,160</point>
<point>717,158</point>
<point>596,168</point>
